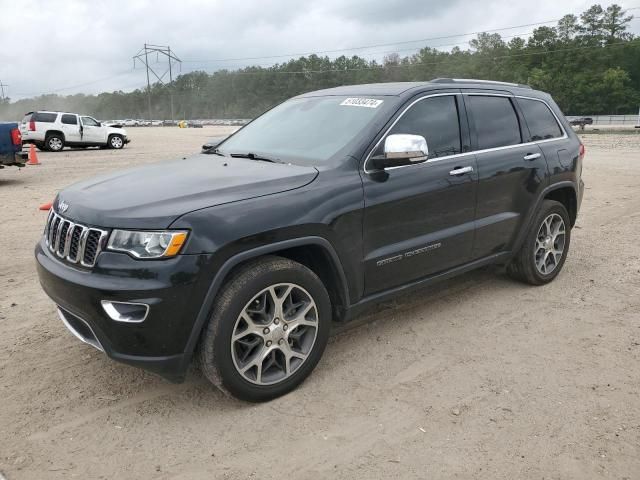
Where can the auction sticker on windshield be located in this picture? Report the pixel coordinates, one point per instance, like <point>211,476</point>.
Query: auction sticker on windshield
<point>361,102</point>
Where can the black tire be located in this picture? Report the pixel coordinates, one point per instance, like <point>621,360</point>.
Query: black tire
<point>524,267</point>
<point>115,141</point>
<point>54,142</point>
<point>215,349</point>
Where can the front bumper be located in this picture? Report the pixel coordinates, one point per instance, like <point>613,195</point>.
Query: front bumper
<point>174,289</point>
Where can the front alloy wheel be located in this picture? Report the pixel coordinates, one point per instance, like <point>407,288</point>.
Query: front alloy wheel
<point>274,334</point>
<point>116,141</point>
<point>268,329</point>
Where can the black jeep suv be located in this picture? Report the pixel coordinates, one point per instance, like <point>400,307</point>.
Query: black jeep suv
<point>332,200</point>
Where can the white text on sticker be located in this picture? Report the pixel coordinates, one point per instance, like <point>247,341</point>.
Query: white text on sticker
<point>362,102</point>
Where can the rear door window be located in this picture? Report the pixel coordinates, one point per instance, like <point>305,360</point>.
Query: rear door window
<point>69,119</point>
<point>44,117</point>
<point>541,122</point>
<point>437,120</point>
<point>495,119</point>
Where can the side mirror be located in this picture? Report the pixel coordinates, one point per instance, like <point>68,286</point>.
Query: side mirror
<point>401,149</point>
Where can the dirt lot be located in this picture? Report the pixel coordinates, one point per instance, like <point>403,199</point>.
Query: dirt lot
<point>479,377</point>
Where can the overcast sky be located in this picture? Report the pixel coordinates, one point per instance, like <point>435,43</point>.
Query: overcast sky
<point>69,46</point>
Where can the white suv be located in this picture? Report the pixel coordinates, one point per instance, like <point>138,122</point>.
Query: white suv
<point>55,130</point>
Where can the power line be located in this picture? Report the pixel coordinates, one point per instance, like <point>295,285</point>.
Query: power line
<point>364,47</point>
<point>416,64</point>
<point>406,42</point>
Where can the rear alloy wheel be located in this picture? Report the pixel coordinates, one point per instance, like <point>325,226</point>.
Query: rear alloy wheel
<point>116,141</point>
<point>545,248</point>
<point>549,247</point>
<point>54,142</point>
<point>268,330</point>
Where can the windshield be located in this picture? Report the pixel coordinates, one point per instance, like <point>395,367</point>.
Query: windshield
<point>305,130</point>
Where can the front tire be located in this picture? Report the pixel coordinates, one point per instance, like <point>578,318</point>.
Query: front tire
<point>269,327</point>
<point>545,248</point>
<point>116,142</point>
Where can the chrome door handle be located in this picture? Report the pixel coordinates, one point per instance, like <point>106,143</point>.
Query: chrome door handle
<point>461,171</point>
<point>531,156</point>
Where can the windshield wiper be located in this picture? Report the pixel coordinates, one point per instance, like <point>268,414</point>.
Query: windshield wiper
<point>211,150</point>
<point>253,156</point>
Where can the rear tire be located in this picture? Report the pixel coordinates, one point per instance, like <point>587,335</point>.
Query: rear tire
<point>269,327</point>
<point>54,142</point>
<point>545,247</point>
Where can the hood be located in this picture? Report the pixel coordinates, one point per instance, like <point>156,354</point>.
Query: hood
<point>153,196</point>
<point>116,129</point>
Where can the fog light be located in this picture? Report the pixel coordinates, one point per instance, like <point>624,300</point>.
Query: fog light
<point>127,312</point>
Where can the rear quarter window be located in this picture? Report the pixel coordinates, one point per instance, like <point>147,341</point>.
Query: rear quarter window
<point>541,122</point>
<point>495,120</point>
<point>44,117</point>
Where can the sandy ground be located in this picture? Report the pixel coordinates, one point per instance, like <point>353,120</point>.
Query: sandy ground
<point>479,377</point>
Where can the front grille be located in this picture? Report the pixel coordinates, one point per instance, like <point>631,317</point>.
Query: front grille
<point>73,242</point>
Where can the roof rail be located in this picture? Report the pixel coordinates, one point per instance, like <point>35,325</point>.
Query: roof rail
<point>474,80</point>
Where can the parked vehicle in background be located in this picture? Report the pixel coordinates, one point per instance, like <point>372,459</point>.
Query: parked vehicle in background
<point>54,130</point>
<point>194,124</point>
<point>129,122</point>
<point>581,121</point>
<point>169,123</point>
<point>325,204</point>
<point>11,145</point>
<point>156,123</point>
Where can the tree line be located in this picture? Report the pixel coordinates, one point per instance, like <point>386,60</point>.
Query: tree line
<point>590,64</point>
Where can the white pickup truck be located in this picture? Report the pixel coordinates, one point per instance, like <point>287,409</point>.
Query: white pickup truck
<point>54,130</point>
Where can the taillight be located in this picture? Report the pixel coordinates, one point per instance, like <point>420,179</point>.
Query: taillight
<point>32,126</point>
<point>581,151</point>
<point>16,137</point>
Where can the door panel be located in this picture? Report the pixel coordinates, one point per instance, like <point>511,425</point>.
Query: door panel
<point>71,130</point>
<point>92,132</point>
<point>419,220</point>
<point>507,186</point>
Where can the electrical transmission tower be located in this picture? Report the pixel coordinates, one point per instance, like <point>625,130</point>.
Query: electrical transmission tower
<point>167,68</point>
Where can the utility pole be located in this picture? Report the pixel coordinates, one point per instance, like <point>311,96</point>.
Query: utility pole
<point>2,85</point>
<point>143,57</point>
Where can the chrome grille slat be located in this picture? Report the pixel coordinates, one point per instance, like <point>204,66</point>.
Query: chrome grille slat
<point>58,231</point>
<point>59,234</point>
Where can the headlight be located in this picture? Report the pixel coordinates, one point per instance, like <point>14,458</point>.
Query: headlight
<point>147,244</point>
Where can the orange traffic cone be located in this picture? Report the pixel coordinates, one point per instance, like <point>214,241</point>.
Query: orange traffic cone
<point>46,206</point>
<point>33,156</point>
